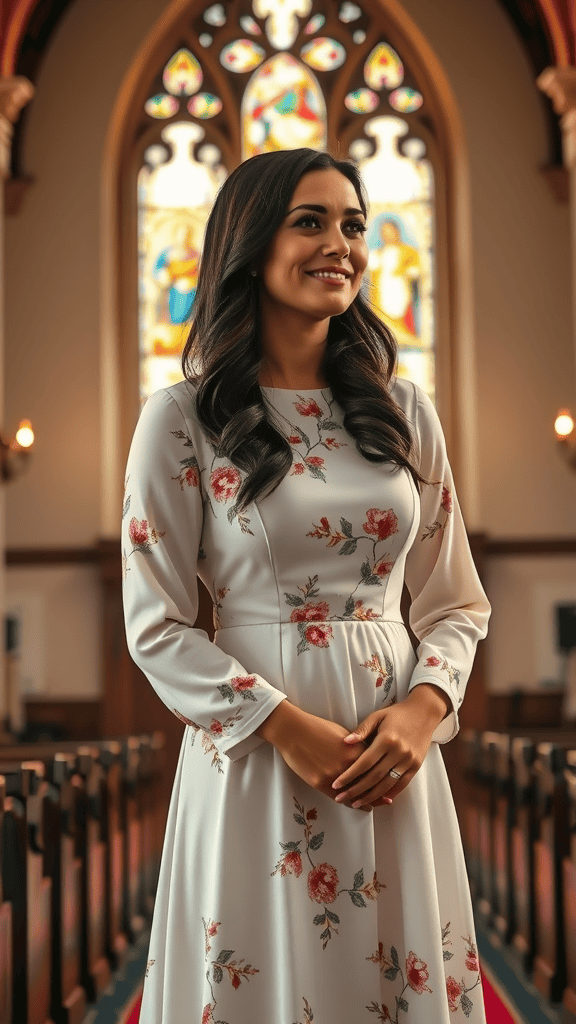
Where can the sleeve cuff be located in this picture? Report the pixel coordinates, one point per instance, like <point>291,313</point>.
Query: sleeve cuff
<point>448,728</point>
<point>244,740</point>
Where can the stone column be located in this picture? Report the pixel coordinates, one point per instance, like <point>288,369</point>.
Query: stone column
<point>560,85</point>
<point>15,92</point>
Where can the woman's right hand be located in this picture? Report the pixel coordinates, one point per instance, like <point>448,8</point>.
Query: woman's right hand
<point>312,747</point>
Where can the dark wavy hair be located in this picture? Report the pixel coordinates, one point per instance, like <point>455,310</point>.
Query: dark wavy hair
<point>222,357</point>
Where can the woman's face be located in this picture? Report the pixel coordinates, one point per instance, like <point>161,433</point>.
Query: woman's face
<point>321,234</point>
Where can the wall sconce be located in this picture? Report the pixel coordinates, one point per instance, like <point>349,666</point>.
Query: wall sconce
<point>565,429</point>
<point>14,454</point>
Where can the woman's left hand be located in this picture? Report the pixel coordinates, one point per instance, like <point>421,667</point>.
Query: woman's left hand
<point>399,738</point>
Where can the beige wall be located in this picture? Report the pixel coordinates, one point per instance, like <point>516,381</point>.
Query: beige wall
<point>519,252</point>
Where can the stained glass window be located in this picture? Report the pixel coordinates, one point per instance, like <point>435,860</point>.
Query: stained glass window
<point>252,76</point>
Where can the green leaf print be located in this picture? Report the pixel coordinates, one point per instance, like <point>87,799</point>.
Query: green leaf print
<point>332,917</point>
<point>356,898</point>
<point>227,692</point>
<point>394,955</point>
<point>298,818</point>
<point>359,879</point>
<point>346,527</point>
<point>349,607</point>
<point>224,956</point>
<point>316,841</point>
<point>232,513</point>
<point>293,600</point>
<point>349,547</point>
<point>330,425</point>
<point>217,974</point>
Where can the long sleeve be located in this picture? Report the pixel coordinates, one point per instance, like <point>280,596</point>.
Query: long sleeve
<point>450,611</point>
<point>161,535</point>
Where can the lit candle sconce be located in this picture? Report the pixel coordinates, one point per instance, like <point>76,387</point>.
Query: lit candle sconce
<point>14,454</point>
<point>565,429</point>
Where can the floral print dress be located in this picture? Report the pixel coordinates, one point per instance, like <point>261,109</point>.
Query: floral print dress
<point>276,905</point>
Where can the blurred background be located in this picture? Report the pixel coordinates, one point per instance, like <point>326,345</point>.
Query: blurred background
<point>119,120</point>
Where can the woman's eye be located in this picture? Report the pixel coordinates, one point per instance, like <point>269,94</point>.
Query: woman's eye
<point>358,226</point>
<point>308,219</point>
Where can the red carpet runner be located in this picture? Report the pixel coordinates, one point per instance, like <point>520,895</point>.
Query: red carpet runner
<point>497,1011</point>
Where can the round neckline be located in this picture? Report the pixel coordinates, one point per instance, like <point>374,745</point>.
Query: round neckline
<point>296,391</point>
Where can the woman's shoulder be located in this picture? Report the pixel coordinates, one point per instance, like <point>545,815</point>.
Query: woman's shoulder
<point>175,402</point>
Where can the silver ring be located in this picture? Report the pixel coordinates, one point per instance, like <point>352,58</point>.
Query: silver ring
<point>395,775</point>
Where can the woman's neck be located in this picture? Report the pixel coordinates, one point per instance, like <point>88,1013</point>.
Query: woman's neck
<point>293,361</point>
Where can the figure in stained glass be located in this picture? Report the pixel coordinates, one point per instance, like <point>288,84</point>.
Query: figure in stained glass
<point>283,108</point>
<point>395,270</point>
<point>176,271</point>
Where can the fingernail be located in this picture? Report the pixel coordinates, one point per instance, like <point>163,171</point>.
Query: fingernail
<point>357,803</point>
<point>338,799</point>
<point>336,785</point>
<point>351,736</point>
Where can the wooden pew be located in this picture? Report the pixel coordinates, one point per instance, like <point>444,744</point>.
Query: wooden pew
<point>134,917</point>
<point>550,849</point>
<point>470,740</point>
<point>92,850</point>
<point>28,890</point>
<point>523,835</point>
<point>569,880</point>
<point>486,816</point>
<point>5,929</point>
<point>110,757</point>
<point>64,866</point>
<point>502,848</point>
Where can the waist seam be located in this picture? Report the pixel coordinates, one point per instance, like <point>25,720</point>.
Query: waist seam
<point>310,622</point>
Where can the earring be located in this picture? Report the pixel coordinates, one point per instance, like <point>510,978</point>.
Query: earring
<point>254,273</point>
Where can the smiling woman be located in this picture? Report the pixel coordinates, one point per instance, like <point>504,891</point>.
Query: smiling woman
<point>310,271</point>
<point>312,861</point>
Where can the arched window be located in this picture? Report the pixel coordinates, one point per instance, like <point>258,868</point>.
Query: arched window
<point>250,77</point>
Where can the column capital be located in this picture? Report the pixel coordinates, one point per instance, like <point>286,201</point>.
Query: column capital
<point>15,92</point>
<point>560,85</point>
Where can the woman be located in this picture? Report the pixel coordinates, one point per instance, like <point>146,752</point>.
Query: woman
<point>312,865</point>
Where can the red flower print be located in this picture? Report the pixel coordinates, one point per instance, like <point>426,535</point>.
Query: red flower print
<point>381,523</point>
<point>383,567</point>
<point>308,408</point>
<point>138,531</point>
<point>453,991</point>
<point>294,439</point>
<point>472,962</point>
<point>240,683</point>
<point>319,636</point>
<point>324,531</point>
<point>331,442</point>
<point>433,662</point>
<point>235,980</point>
<point>312,814</point>
<point>310,612</point>
<point>314,460</point>
<point>292,864</point>
<point>207,1017</point>
<point>323,883</point>
<point>446,500</point>
<point>213,928</point>
<point>298,468</point>
<point>191,476</point>
<point>216,727</point>
<point>365,614</point>
<point>225,483</point>
<point>417,974</point>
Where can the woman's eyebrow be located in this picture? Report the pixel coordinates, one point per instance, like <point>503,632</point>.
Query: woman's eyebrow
<point>322,209</point>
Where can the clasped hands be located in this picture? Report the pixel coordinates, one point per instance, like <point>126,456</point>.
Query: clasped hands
<point>353,768</point>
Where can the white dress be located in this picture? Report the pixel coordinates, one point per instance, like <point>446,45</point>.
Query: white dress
<point>276,905</point>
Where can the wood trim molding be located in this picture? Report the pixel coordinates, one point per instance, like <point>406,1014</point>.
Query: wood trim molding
<point>53,556</point>
<point>531,546</point>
